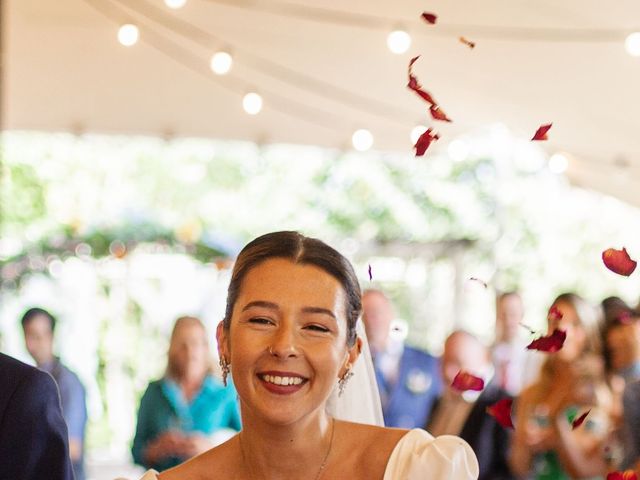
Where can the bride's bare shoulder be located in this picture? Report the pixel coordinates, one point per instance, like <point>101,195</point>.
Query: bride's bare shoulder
<point>366,439</point>
<point>217,462</point>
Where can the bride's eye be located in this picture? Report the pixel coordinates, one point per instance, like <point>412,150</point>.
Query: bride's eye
<point>317,328</point>
<point>260,321</point>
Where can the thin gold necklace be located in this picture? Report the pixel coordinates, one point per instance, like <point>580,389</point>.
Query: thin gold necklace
<point>324,460</point>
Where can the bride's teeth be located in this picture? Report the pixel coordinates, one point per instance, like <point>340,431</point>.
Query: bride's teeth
<point>285,381</point>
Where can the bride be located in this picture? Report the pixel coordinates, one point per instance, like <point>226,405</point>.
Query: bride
<point>290,340</point>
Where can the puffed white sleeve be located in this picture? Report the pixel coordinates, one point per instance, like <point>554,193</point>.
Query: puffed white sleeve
<point>418,455</point>
<point>149,475</point>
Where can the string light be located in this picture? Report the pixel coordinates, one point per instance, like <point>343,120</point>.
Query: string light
<point>128,34</point>
<point>252,103</point>
<point>398,41</point>
<point>362,140</point>
<point>632,44</point>
<point>221,62</point>
<point>175,4</point>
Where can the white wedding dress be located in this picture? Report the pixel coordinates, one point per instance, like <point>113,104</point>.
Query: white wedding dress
<point>418,455</point>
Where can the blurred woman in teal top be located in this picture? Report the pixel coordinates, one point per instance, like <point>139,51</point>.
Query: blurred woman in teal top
<point>188,411</point>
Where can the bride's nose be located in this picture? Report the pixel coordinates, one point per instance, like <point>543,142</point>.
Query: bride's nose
<point>284,344</point>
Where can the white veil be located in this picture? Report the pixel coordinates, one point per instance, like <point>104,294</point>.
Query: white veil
<point>360,401</point>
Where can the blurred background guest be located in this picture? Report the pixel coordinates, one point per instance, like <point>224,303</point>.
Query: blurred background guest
<point>464,413</point>
<point>622,341</point>
<point>622,336</point>
<point>631,426</point>
<point>572,381</point>
<point>408,379</point>
<point>188,411</point>
<point>516,367</point>
<point>38,326</point>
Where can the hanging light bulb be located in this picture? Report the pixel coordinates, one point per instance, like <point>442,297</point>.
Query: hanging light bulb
<point>252,103</point>
<point>398,41</point>
<point>362,140</point>
<point>558,163</point>
<point>632,44</point>
<point>221,62</point>
<point>128,34</point>
<point>175,4</point>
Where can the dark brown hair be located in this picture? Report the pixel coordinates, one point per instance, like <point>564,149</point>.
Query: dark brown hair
<point>302,250</point>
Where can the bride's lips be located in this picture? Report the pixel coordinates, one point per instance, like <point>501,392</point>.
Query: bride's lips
<point>282,383</point>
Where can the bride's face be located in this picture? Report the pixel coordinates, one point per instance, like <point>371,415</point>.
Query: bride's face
<point>287,340</point>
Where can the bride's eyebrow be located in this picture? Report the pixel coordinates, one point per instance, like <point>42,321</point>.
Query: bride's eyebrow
<point>262,304</point>
<point>324,311</point>
<point>274,306</point>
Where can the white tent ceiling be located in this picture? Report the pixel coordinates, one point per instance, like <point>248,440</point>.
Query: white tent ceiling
<point>323,69</point>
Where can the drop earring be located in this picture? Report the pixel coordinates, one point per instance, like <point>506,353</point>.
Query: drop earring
<point>224,366</point>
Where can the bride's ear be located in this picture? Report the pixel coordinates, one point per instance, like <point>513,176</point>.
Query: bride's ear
<point>223,341</point>
<point>355,351</point>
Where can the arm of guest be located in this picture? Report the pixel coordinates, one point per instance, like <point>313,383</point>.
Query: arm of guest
<point>577,462</point>
<point>145,431</point>
<point>74,410</point>
<point>520,456</point>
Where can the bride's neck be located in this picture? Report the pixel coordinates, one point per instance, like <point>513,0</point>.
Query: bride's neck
<point>285,451</point>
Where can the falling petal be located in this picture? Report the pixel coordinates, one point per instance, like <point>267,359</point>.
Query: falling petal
<point>438,114</point>
<point>531,330</point>
<point>415,85</point>
<point>626,475</point>
<point>501,411</point>
<point>551,343</point>
<point>619,261</point>
<point>481,282</point>
<point>370,275</point>
<point>424,141</point>
<point>429,17</point>
<point>578,421</point>
<point>468,43</point>
<point>625,318</point>
<point>541,133</point>
<point>464,381</point>
<point>554,313</point>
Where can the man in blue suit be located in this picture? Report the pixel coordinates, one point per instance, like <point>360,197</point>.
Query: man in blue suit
<point>33,435</point>
<point>408,379</point>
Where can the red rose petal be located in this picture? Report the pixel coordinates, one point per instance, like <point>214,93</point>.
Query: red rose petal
<point>438,114</point>
<point>481,282</point>
<point>370,275</point>
<point>551,343</point>
<point>424,142</point>
<point>501,411</point>
<point>619,261</point>
<point>464,381</point>
<point>468,43</point>
<point>531,330</point>
<point>429,17</point>
<point>554,313</point>
<point>579,421</point>
<point>626,475</point>
<point>625,318</point>
<point>415,85</point>
<point>541,133</point>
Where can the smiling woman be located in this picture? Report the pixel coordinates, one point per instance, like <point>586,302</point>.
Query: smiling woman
<point>289,338</point>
